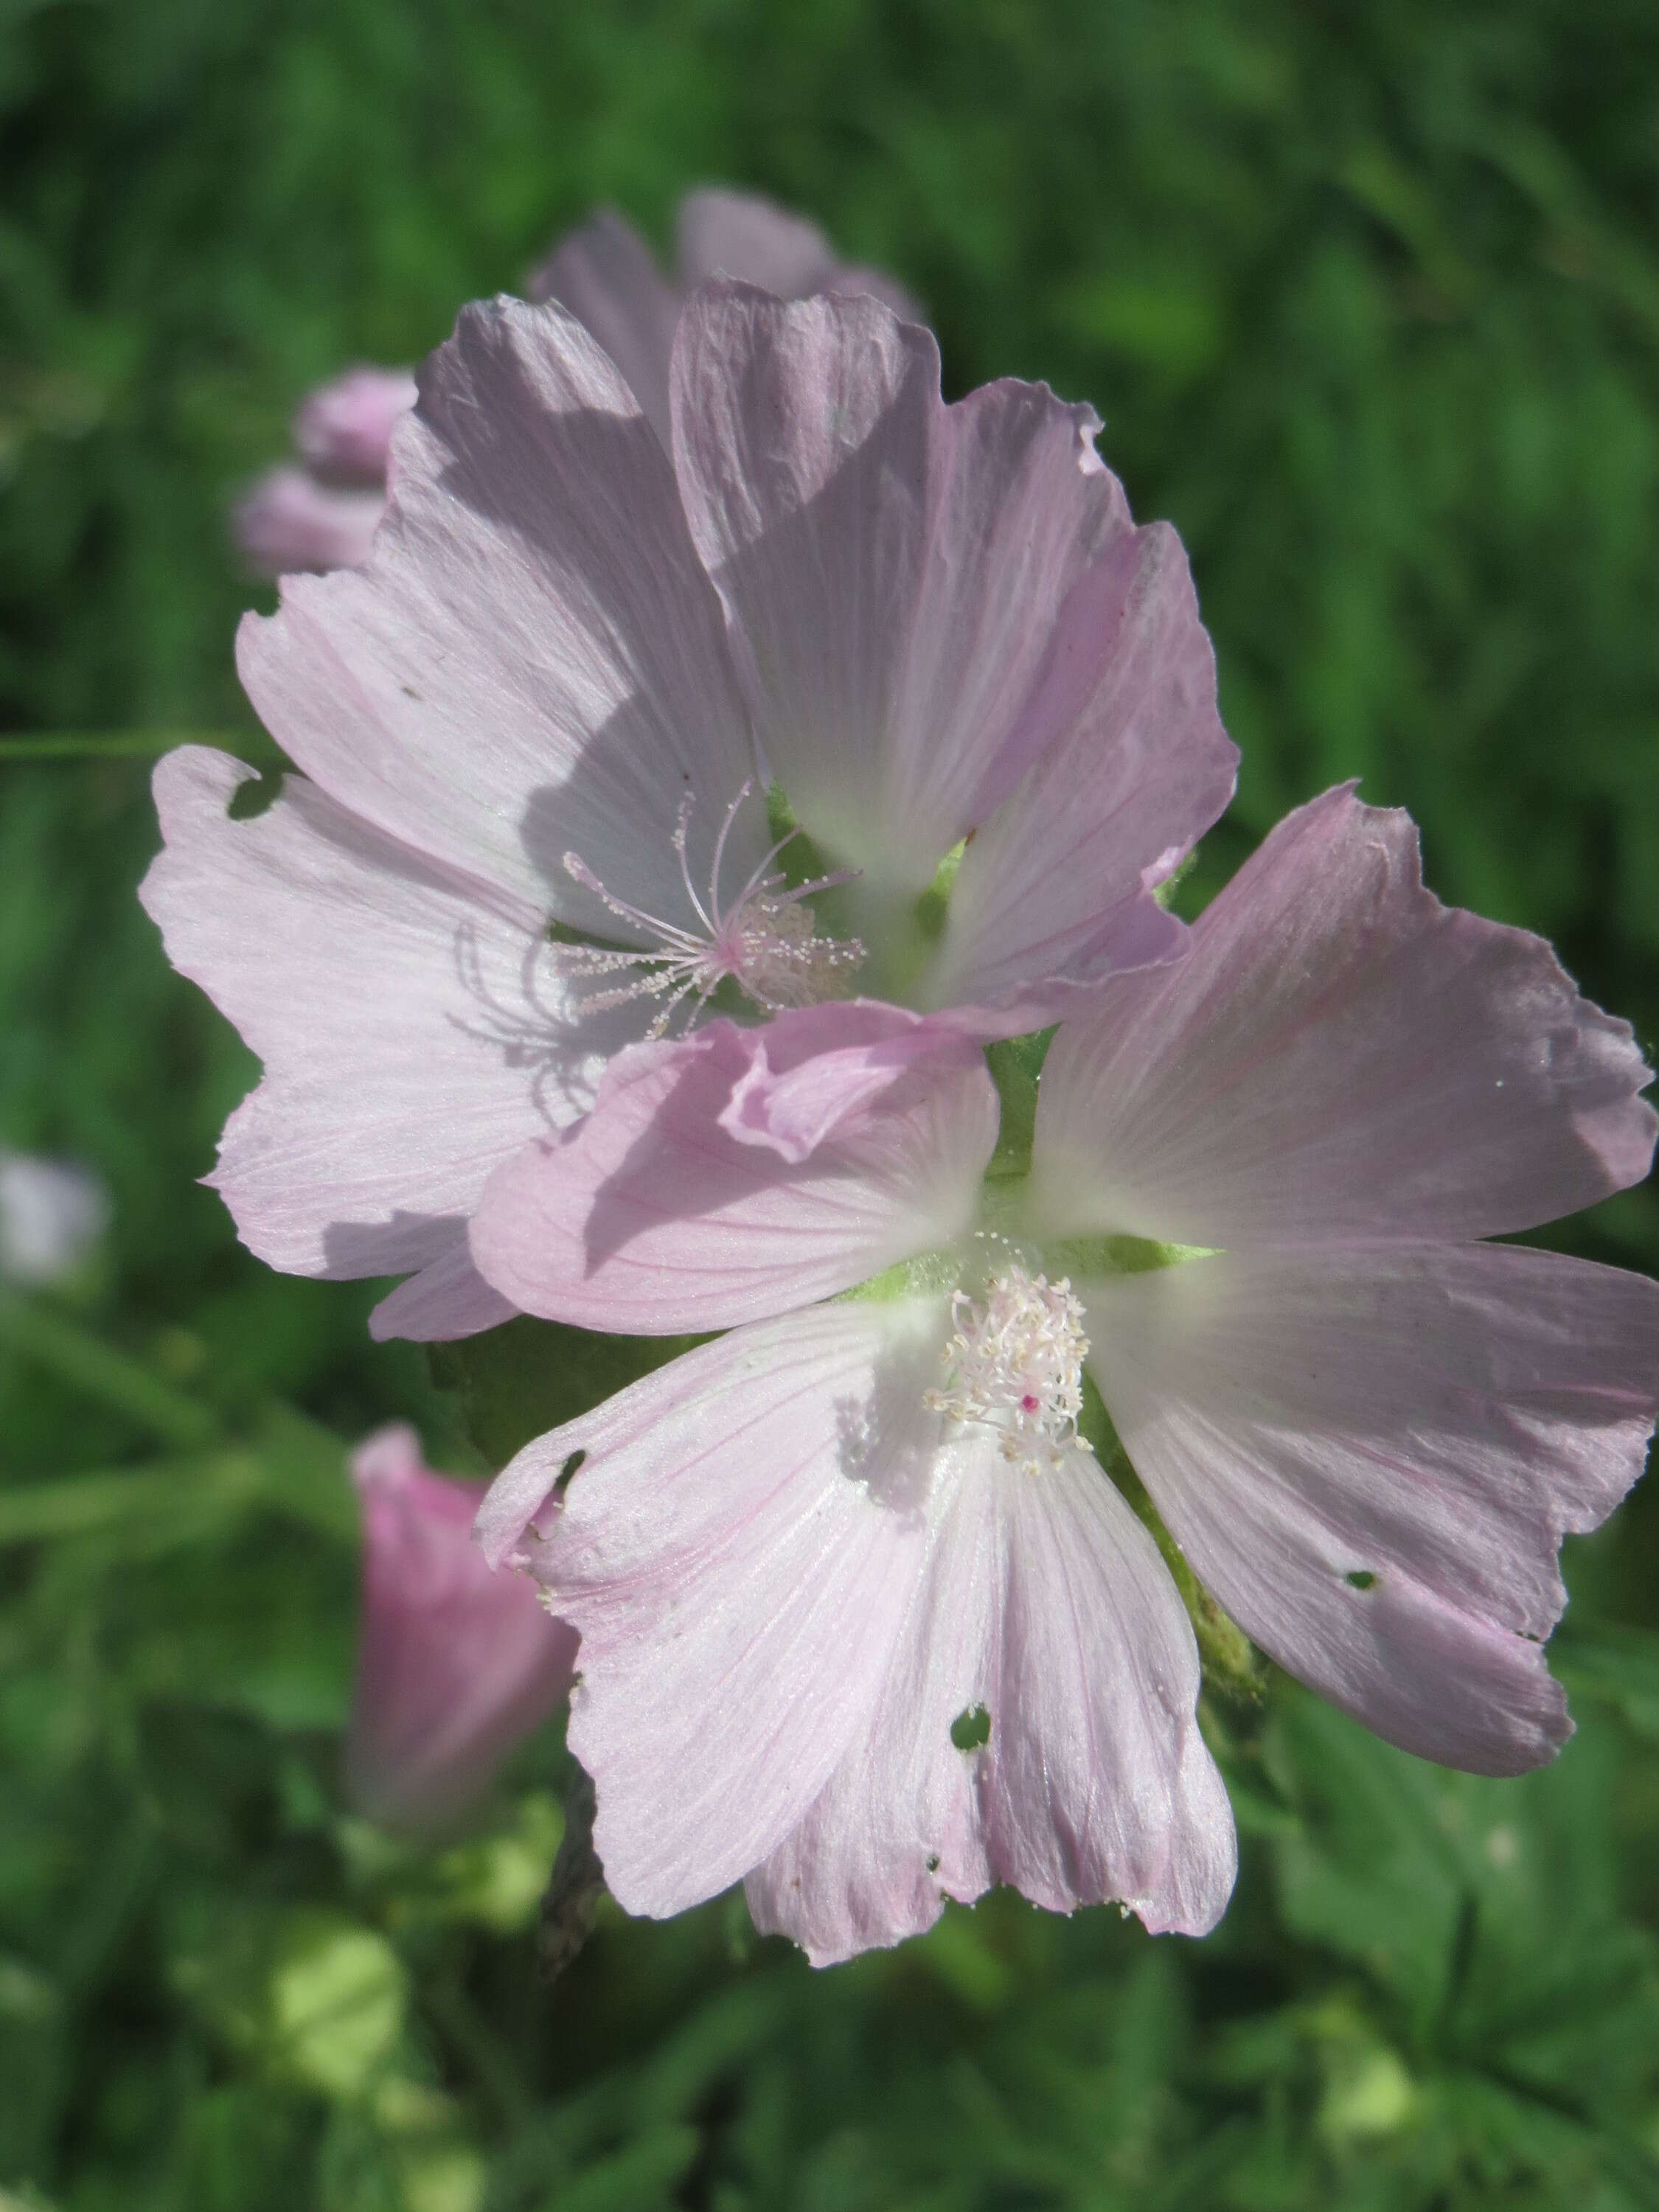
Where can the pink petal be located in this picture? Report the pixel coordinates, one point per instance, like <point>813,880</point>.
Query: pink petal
<point>1057,883</point>
<point>287,522</point>
<point>605,275</point>
<point>738,1585</point>
<point>653,1217</point>
<point>815,1068</point>
<point>1429,1418</point>
<point>448,1299</point>
<point>1044,1601</point>
<point>413,1034</point>
<point>1339,1056</point>
<point>894,568</point>
<point>457,1664</point>
<point>739,234</point>
<point>344,429</point>
<point>532,662</point>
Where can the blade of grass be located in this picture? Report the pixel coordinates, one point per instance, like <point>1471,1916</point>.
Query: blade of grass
<point>99,1371</point>
<point>125,745</point>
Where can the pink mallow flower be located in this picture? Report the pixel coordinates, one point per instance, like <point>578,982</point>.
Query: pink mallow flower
<point>814,1563</point>
<point>581,692</point>
<point>456,1665</point>
<point>324,515</point>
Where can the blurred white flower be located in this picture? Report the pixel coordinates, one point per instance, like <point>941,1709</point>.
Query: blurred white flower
<point>52,1213</point>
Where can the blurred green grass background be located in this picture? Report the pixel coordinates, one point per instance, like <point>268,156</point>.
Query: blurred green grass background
<point>1370,300</point>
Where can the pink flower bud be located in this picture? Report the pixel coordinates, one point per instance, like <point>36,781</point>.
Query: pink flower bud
<point>289,521</point>
<point>456,1663</point>
<point>344,427</point>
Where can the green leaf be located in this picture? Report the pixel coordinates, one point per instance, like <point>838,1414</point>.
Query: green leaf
<point>337,2000</point>
<point>1617,1664</point>
<point>641,2178</point>
<point>518,1382</point>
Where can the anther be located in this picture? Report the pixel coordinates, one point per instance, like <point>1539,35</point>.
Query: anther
<point>1014,1364</point>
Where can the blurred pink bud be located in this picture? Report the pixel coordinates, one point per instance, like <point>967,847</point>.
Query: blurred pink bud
<point>289,521</point>
<point>344,429</point>
<point>52,1213</point>
<point>456,1663</point>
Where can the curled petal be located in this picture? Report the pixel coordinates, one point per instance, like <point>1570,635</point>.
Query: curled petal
<point>812,1072</point>
<point>654,1217</point>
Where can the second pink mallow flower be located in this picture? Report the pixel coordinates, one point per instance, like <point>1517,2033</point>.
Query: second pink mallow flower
<point>581,689</point>
<point>324,515</point>
<point>801,1557</point>
<point>456,1666</point>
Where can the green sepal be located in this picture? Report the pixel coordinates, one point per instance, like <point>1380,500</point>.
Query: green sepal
<point>929,1275</point>
<point>1087,1259</point>
<point>934,903</point>
<point>517,1381</point>
<point>1233,1667</point>
<point>1165,892</point>
<point>800,861</point>
<point>1016,1065</point>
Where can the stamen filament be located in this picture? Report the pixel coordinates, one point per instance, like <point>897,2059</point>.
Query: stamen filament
<point>764,940</point>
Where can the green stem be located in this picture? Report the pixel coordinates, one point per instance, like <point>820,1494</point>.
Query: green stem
<point>120,745</point>
<point>80,1505</point>
<point>289,1466</point>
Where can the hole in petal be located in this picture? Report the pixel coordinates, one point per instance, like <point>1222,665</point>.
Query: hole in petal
<point>250,799</point>
<point>932,1862</point>
<point>562,1481</point>
<point>971,1729</point>
<point>1360,1579</point>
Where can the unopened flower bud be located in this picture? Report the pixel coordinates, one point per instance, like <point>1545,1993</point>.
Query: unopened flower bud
<point>456,1663</point>
<point>344,427</point>
<point>288,521</point>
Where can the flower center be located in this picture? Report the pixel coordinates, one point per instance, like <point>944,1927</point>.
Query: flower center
<point>764,940</point>
<point>1014,1364</point>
